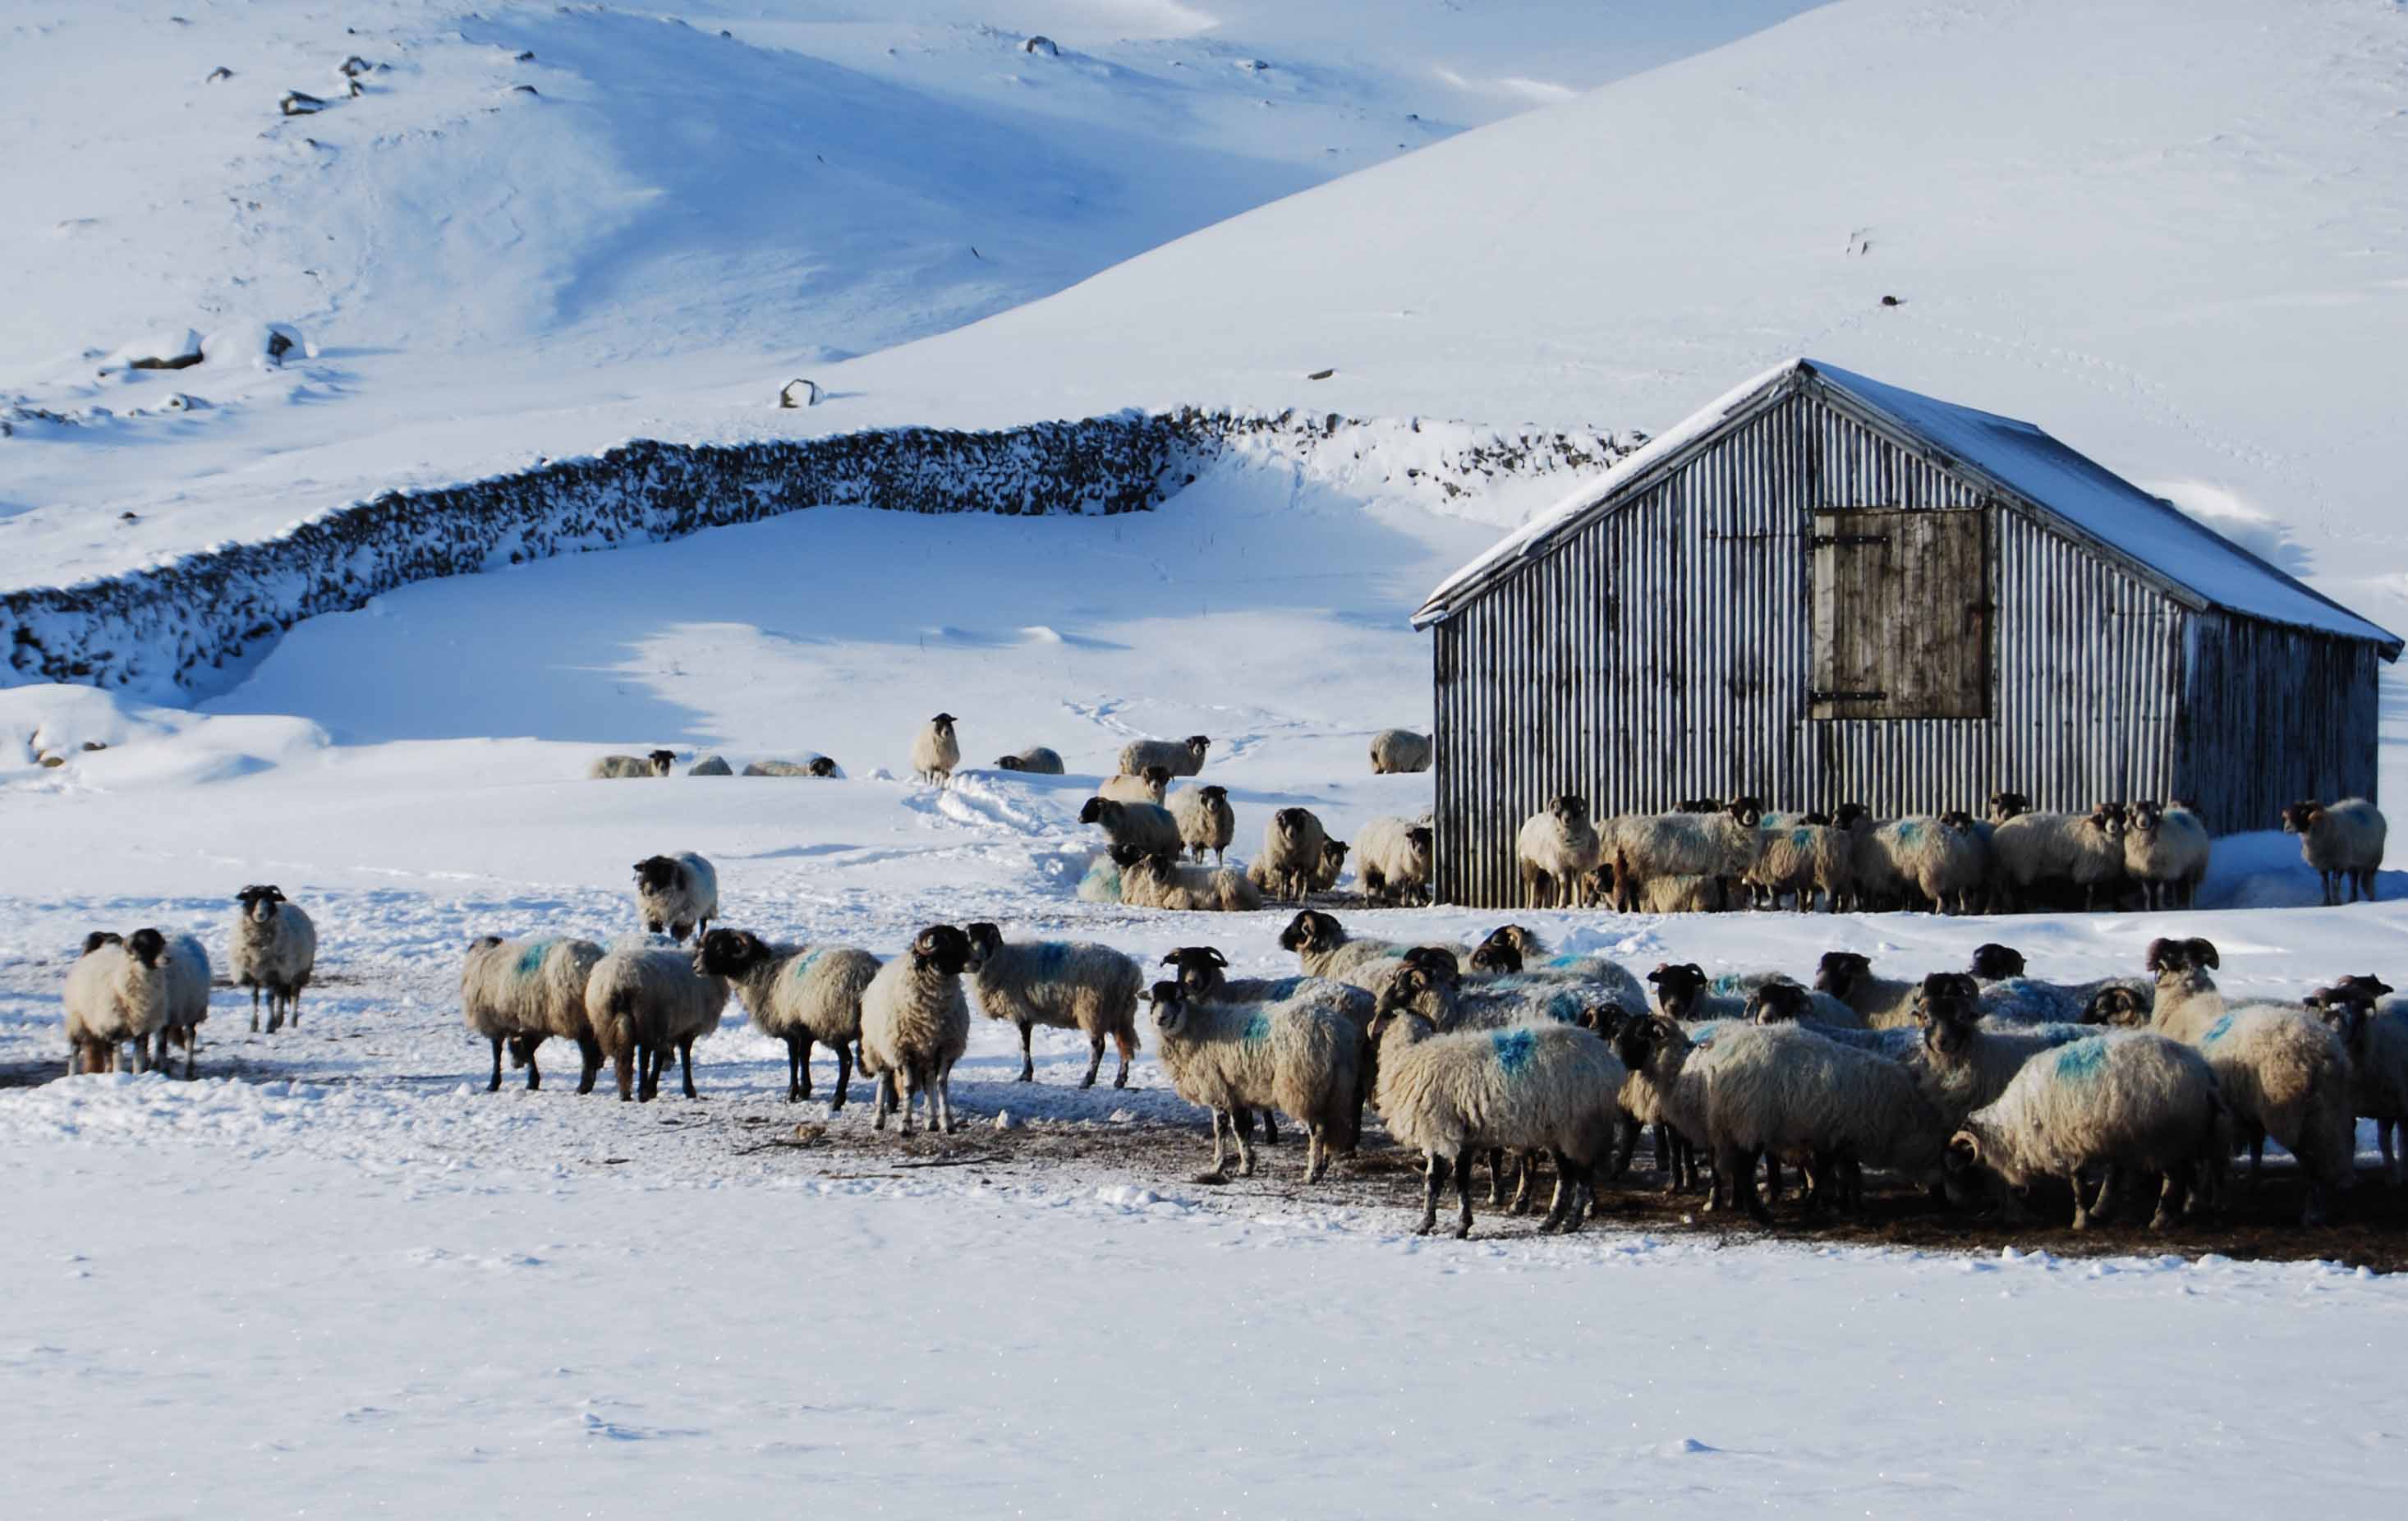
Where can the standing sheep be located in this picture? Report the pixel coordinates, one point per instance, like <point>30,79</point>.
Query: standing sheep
<point>1143,827</point>
<point>1558,849</point>
<point>1066,984</point>
<point>1884,1003</point>
<point>1148,787</point>
<point>123,991</point>
<point>2084,849</point>
<point>2166,851</point>
<point>1965,1061</point>
<point>274,950</point>
<point>1394,857</point>
<point>1397,751</point>
<point>1801,857</point>
<point>1037,760</point>
<point>914,1026</point>
<point>2342,841</point>
<point>675,894</point>
<point>935,751</point>
<point>1684,992</point>
<point>658,763</point>
<point>1301,1056</point>
<point>2007,994</point>
<point>2376,1037</point>
<point>797,993</point>
<point>647,1003</point>
<point>1774,1090</point>
<point>1324,949</point>
<point>518,992</point>
<point>1205,822</point>
<point>1292,852</point>
<point>1719,846</point>
<point>1179,757</point>
<point>1512,949</point>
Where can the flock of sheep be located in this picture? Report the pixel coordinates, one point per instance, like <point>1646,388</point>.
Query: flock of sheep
<point>1981,1081</point>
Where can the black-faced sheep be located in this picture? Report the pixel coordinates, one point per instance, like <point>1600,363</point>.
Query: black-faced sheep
<point>2165,850</point>
<point>2342,841</point>
<point>1394,857</point>
<point>1301,1056</point>
<point>915,1025</point>
<point>1179,757</point>
<point>275,951</point>
<point>1718,848</point>
<point>123,991</point>
<point>1324,949</point>
<point>1065,985</point>
<point>1774,1090</point>
<point>1037,760</point>
<point>1396,750</point>
<point>647,1003</point>
<point>797,993</point>
<point>1148,787</point>
<point>1159,881</point>
<point>810,766</point>
<point>656,763</point>
<point>2375,1035</point>
<point>1143,827</point>
<point>2084,849</point>
<point>1514,948</point>
<point>1205,822</point>
<point>1292,853</point>
<point>1558,849</point>
<point>518,993</point>
<point>675,894</point>
<point>936,750</point>
<point>2007,994</point>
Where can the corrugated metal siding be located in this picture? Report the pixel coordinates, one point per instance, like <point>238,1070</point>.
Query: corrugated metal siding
<point>1664,652</point>
<point>2274,715</point>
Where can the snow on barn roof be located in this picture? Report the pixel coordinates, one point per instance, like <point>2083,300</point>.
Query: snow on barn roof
<point>2071,492</point>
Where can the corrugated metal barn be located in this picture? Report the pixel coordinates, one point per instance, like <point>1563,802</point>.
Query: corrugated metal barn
<point>1825,589</point>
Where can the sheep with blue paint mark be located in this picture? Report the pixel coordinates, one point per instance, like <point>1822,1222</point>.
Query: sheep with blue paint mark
<point>1430,988</point>
<point>1777,1092</point>
<point>1063,984</point>
<point>797,994</point>
<point>1513,949</point>
<point>2120,1103</point>
<point>2007,994</point>
<point>1967,1061</point>
<point>1301,1056</point>
<point>1684,991</point>
<point>517,994</point>
<point>1799,857</point>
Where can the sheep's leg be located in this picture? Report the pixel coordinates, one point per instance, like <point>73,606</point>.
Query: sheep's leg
<point>1271,1128</point>
<point>1433,1179</point>
<point>2256,1156</point>
<point>2081,1212</point>
<point>1095,1059</point>
<point>1029,1062</point>
<point>535,1078</point>
<point>254,1008</point>
<point>589,1053</point>
<point>1556,1202</point>
<point>1495,1175</point>
<point>798,1048</point>
<point>1126,1041</point>
<point>648,1073</point>
<point>1626,1140</point>
<point>2170,1195</point>
<point>906,1093</point>
<point>843,1076</point>
<point>1316,1151</point>
<point>293,1006</point>
<point>884,1102</point>
<point>191,1050</point>
<point>1220,1170</point>
<point>1245,1125</point>
<point>1771,1178</point>
<point>622,1063</point>
<point>1738,1165</point>
<point>1462,1194</point>
<point>945,1091</point>
<point>685,1065</point>
<point>2110,1201</point>
<point>2383,1129</point>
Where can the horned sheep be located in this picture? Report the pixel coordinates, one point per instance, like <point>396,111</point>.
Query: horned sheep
<point>796,993</point>
<point>1065,985</point>
<point>2007,994</point>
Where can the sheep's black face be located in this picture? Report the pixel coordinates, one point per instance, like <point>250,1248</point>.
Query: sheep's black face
<point>1310,930</point>
<point>1677,988</point>
<point>985,940</point>
<point>2363,984</point>
<point>1410,982</point>
<point>1749,812</point>
<point>2108,819</point>
<point>259,903</point>
<point>1157,777</point>
<point>1817,817</point>
<point>729,953</point>
<point>1092,812</point>
<point>1848,815</point>
<point>655,872</point>
<point>943,948</point>
<point>1198,744</point>
<point>2342,1012</point>
<point>1199,968</point>
<point>2007,805</point>
<point>147,945</point>
<point>1958,821</point>
<point>1333,854</point>
<point>1993,962</point>
<point>1779,1003</point>
<point>822,765</point>
<point>1573,809</point>
<point>482,942</point>
<point>944,724</point>
<point>1168,1012</point>
<point>99,938</point>
<point>1961,1174</point>
<point>662,760</point>
<point>1635,1039</point>
<point>1008,763</point>
<point>1215,794</point>
<point>2119,1006</point>
<point>1422,839</point>
<point>1499,952</point>
<point>2300,816</point>
<point>1841,970</point>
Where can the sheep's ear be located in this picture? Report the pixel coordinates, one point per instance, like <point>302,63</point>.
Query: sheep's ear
<point>2204,951</point>
<point>1695,971</point>
<point>2158,954</point>
<point>1218,959</point>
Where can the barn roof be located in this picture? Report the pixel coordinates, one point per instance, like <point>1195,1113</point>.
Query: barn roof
<point>2073,494</point>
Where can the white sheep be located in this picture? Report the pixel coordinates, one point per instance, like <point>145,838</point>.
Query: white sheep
<point>1774,1090</point>
<point>656,763</point>
<point>275,951</point>
<point>1205,822</point>
<point>1037,760</point>
<point>1430,988</point>
<point>936,750</point>
<point>2122,1102</point>
<point>810,766</point>
<point>2165,850</point>
<point>646,1002</point>
<point>2085,849</point>
<point>1719,846</point>
<point>1883,1002</point>
<point>711,765</point>
<point>518,993</point>
<point>1685,993</point>
<point>1801,857</point>
<point>1179,757</point>
<point>1203,978</point>
<point>1324,949</point>
<point>1513,949</point>
<point>675,894</point>
<point>188,999</point>
<point>1292,853</point>
<point>1397,751</point>
<point>1556,849</point>
<point>1965,1061</point>
<point>1527,1087</point>
<point>2007,994</point>
<point>2281,1070</point>
<point>1143,827</point>
<point>1394,857</point>
<point>124,990</point>
<point>1159,881</point>
<point>2342,841</point>
<point>1666,1089</point>
<point>1065,985</point>
<point>915,1025</point>
<point>1148,787</point>
<point>797,994</point>
<point>2376,1037</point>
<point>1301,1056</point>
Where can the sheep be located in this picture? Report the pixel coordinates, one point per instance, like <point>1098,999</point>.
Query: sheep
<point>1666,1089</point>
<point>1512,949</point>
<point>1205,822</point>
<point>1301,1056</point>
<point>1616,883</point>
<point>2342,841</point>
<point>2085,849</point>
<point>1684,992</point>
<point>1720,846</point>
<point>1324,949</point>
<point>797,994</point>
<point>2376,1037</point>
<point>2122,1102</point>
<point>1292,853</point>
<point>1067,985</point>
<point>1101,882</point>
<point>711,765</point>
<point>2165,851</point>
<point>1883,1002</point>
<point>1530,1087</point>
<point>275,951</point>
<point>1397,751</point>
<point>1802,857</point>
<point>1427,985</point>
<point>2007,994</point>
<point>1948,861</point>
<point>126,989</point>
<point>1037,760</point>
<point>1965,1061</point>
<point>518,993</point>
<point>1394,858</point>
<point>656,763</point>
<point>645,1002</point>
<point>1144,828</point>
<point>1787,1003</point>
<point>814,765</point>
<point>675,894</point>
<point>1179,757</point>
<point>2280,1069</point>
<point>1558,849</point>
<point>1777,1091</point>
<point>1331,866</point>
<point>1159,881</point>
<point>1203,977</point>
<point>935,751</point>
<point>1148,787</point>
<point>914,1026</point>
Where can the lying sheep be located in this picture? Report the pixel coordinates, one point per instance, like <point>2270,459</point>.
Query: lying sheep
<point>1777,1091</point>
<point>644,1003</point>
<point>1324,949</point>
<point>2085,849</point>
<point>935,751</point>
<point>658,763</point>
<point>1396,750</point>
<point>814,765</point>
<point>1292,853</point>
<point>1720,847</point>
<point>1301,1056</point>
<point>797,993</point>
<point>1179,757</point>
<point>2342,841</point>
<point>1530,1087</point>
<point>711,765</point>
<point>1143,827</point>
<point>1066,984</point>
<point>2280,1069</point>
<point>1558,849</point>
<point>1513,949</point>
<point>2008,994</point>
<point>2122,1103</point>
<point>1148,787</point>
<point>1684,992</point>
<point>1159,881</point>
<point>1037,760</point>
<point>1205,822</point>
<point>2375,1035</point>
<point>1802,857</point>
<point>518,993</point>
<point>2166,851</point>
<point>1394,857</point>
<point>675,894</point>
<point>914,1026</point>
<point>275,951</point>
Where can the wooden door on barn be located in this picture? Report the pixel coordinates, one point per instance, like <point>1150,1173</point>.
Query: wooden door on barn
<point>1902,625</point>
